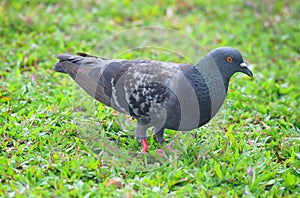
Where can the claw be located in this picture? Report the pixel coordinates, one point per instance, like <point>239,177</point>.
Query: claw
<point>169,146</point>
<point>160,152</point>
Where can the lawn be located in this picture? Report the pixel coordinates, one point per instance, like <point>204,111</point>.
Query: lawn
<point>58,142</point>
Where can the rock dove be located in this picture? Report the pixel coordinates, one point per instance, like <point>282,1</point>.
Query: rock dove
<point>163,95</point>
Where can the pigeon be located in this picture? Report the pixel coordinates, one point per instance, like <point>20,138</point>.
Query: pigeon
<point>162,95</point>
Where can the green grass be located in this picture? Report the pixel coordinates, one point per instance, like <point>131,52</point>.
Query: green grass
<point>49,131</point>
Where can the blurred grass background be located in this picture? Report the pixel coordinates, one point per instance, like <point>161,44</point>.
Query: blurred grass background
<point>251,149</point>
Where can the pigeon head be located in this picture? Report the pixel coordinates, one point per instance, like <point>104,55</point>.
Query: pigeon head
<point>229,61</point>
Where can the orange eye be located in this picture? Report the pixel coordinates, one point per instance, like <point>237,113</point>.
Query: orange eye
<point>229,59</point>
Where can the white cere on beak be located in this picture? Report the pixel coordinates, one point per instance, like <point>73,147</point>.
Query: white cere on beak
<point>243,65</point>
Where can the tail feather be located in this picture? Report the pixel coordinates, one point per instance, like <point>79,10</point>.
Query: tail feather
<point>79,59</point>
<point>59,66</point>
<point>64,57</point>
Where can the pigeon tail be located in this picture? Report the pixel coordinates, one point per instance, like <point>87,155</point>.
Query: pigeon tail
<point>59,66</point>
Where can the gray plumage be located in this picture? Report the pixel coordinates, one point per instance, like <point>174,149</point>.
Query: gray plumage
<point>160,94</point>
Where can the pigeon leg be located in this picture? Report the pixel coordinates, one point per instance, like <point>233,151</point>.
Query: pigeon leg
<point>140,134</point>
<point>144,145</point>
<point>160,136</point>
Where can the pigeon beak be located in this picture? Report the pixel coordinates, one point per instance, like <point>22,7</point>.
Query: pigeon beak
<point>246,70</point>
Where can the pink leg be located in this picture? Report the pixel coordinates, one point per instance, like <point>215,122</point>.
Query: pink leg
<point>145,145</point>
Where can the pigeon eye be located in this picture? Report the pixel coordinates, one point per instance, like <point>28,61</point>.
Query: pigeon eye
<point>229,59</point>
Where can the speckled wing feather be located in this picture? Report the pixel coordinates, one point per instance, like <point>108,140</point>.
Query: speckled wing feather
<point>146,87</point>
